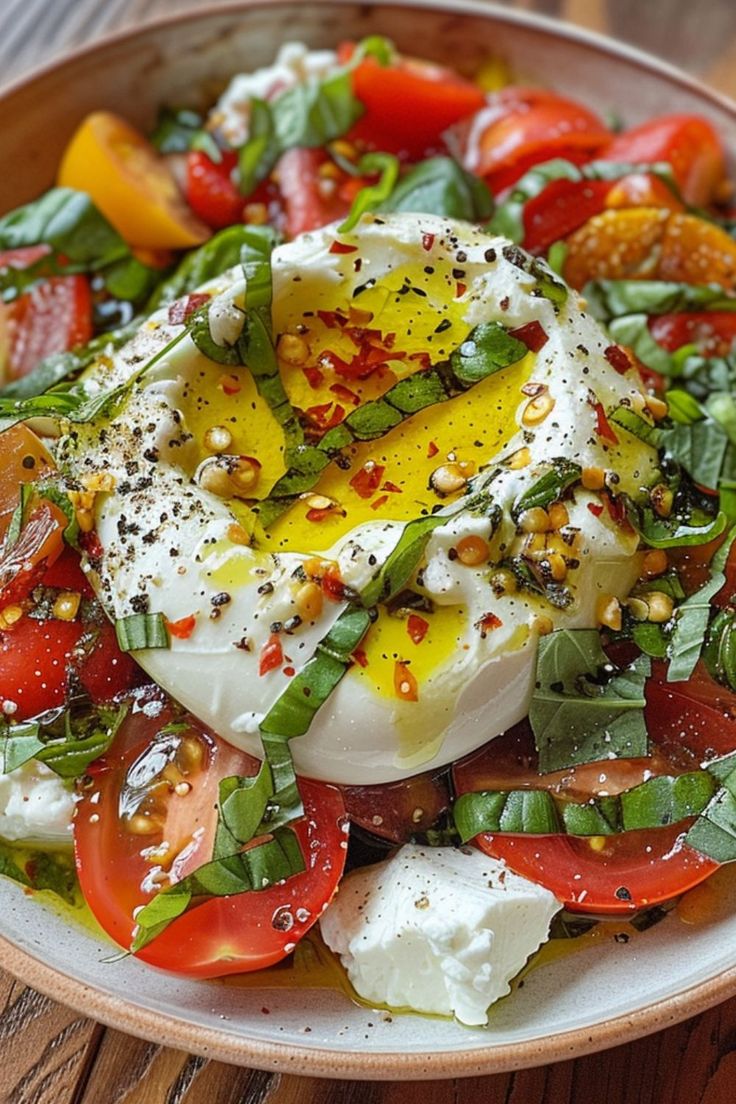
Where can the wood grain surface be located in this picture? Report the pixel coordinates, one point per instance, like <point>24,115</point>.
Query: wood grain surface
<point>48,1054</point>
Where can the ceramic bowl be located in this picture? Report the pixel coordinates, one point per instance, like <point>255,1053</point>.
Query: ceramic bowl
<point>576,1003</point>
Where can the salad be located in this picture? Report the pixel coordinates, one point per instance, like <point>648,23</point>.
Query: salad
<point>367,498</point>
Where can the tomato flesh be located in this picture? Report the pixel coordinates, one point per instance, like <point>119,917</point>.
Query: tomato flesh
<point>396,811</point>
<point>711,332</point>
<point>118,869</point>
<point>54,316</point>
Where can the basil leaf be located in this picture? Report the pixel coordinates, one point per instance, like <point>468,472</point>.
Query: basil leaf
<point>548,488</point>
<point>633,423</point>
<point>582,708</point>
<point>609,299</point>
<point>372,196</point>
<point>253,870</point>
<point>176,129</point>
<point>547,283</point>
<point>241,807</point>
<point>692,617</point>
<point>440,186</point>
<point>663,800</point>
<point>141,630</point>
<point>719,648</point>
<point>678,532</point>
<point>700,447</point>
<point>67,743</point>
<point>306,116</point>
<point>42,870</point>
<point>488,348</point>
<point>20,743</point>
<point>714,832</point>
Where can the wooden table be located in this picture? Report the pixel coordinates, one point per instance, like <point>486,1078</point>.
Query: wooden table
<point>48,1055</point>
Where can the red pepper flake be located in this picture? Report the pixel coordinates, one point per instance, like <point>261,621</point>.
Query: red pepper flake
<point>319,513</point>
<point>183,628</point>
<point>272,655</point>
<point>617,358</point>
<point>595,508</point>
<point>381,501</point>
<point>389,486</point>
<point>367,481</point>
<point>343,247</point>
<point>289,671</point>
<point>532,335</point>
<point>92,545</point>
<point>603,427</point>
<point>427,242</point>
<point>229,385</point>
<point>487,623</point>
<point>616,508</point>
<point>405,684</point>
<point>182,309</point>
<point>332,319</point>
<point>460,290</point>
<point>332,584</point>
<point>417,628</point>
<point>313,376</point>
<point>344,393</point>
<point>432,449</point>
<point>360,657</point>
<point>322,417</point>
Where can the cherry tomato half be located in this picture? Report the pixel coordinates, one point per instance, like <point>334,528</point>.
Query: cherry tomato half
<point>136,827</point>
<point>711,332</point>
<point>54,316</point>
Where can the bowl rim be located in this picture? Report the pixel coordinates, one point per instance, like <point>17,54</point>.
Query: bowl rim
<point>167,1029</point>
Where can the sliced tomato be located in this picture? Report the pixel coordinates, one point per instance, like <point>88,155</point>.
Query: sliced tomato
<point>397,811</point>
<point>711,332</point>
<point>23,459</point>
<point>41,542</point>
<point>311,201</point>
<point>35,657</point>
<point>53,316</point>
<point>134,831</point>
<point>689,143</point>
<point>562,207</point>
<point>617,874</point>
<point>130,183</point>
<point>525,126</point>
<point>211,191</point>
<point>409,104</point>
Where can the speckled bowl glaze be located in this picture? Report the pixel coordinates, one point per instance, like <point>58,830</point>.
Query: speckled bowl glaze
<point>596,997</point>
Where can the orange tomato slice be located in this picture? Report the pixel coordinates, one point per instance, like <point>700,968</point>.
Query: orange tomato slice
<point>648,243</point>
<point>130,183</point>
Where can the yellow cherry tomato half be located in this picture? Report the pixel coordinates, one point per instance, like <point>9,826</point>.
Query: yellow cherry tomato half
<point>130,183</point>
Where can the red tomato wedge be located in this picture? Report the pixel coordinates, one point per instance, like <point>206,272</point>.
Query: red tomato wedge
<point>687,142</point>
<point>166,830</point>
<point>525,126</point>
<point>55,315</point>
<point>211,191</point>
<point>627,872</point>
<point>309,200</point>
<point>562,207</point>
<point>409,104</point>
<point>711,332</point>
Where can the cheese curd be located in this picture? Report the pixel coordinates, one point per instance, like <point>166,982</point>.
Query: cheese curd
<point>415,285</point>
<point>36,805</point>
<point>437,930</point>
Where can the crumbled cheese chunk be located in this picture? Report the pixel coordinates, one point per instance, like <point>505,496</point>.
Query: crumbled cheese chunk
<point>35,805</point>
<point>437,930</point>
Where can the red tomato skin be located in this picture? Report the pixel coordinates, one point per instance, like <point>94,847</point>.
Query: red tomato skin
<point>211,191</point>
<point>226,935</point>
<point>712,332</point>
<point>526,126</point>
<point>408,105</point>
<point>54,316</point>
<point>34,664</point>
<point>105,671</point>
<point>561,208</point>
<point>688,142</point>
<point>40,543</point>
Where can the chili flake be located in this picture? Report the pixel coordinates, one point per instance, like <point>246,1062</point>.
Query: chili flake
<point>405,684</point>
<point>417,628</point>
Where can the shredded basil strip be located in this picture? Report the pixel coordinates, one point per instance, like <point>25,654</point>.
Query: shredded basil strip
<point>179,130</point>
<point>663,800</point>
<point>714,832</point>
<point>141,630</point>
<point>441,186</point>
<point>67,740</point>
<point>509,218</point>
<point>259,867</point>
<point>488,349</point>
<point>583,708</point>
<point>371,196</point>
<point>42,870</point>
<point>633,423</point>
<point>562,475</point>
<point>676,531</point>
